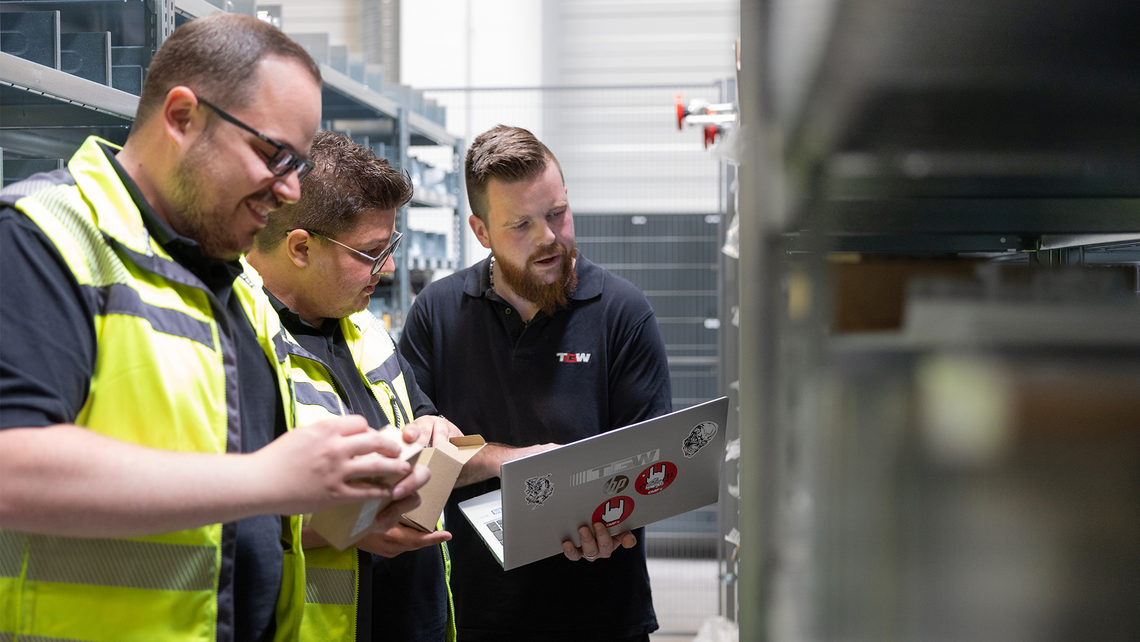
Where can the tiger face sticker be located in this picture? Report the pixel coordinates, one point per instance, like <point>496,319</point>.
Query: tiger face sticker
<point>698,438</point>
<point>538,490</point>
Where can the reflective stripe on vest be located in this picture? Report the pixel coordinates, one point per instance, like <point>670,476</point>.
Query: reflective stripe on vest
<point>330,586</point>
<point>162,360</point>
<point>120,563</point>
<point>121,299</point>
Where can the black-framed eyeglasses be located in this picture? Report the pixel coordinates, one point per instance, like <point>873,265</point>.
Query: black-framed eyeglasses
<point>283,160</point>
<point>377,261</point>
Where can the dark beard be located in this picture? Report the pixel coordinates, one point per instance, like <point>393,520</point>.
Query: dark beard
<point>548,297</point>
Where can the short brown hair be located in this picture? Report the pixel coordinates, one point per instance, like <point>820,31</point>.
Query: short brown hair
<point>508,154</point>
<point>347,180</point>
<point>216,56</point>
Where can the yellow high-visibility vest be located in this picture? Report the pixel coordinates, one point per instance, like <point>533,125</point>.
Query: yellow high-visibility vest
<point>164,372</point>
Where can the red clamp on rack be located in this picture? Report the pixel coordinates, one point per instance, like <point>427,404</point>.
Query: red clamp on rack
<point>713,119</point>
<point>711,132</point>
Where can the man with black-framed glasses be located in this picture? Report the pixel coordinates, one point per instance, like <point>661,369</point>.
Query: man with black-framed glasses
<point>153,474</point>
<point>320,259</point>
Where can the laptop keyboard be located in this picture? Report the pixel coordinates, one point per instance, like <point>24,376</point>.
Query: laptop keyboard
<point>496,526</point>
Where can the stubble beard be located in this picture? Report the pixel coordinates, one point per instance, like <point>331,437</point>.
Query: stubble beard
<point>548,297</point>
<point>190,180</point>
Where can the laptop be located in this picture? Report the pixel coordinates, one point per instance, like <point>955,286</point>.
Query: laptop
<point>625,478</point>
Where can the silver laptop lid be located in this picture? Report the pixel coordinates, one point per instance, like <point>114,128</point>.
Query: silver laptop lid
<point>625,478</point>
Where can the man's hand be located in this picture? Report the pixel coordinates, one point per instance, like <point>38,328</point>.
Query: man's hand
<point>597,543</point>
<point>398,539</point>
<point>434,429</point>
<point>324,464</point>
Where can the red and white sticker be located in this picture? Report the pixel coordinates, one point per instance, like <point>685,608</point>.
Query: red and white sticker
<point>613,511</point>
<point>656,478</point>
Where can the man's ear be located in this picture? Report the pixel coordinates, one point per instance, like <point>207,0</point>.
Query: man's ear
<point>297,246</point>
<point>480,230</point>
<point>180,113</point>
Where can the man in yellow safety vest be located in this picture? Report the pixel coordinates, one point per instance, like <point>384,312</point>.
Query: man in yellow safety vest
<point>321,259</point>
<point>152,475</point>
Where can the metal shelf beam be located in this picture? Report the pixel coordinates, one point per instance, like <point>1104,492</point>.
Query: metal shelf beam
<point>421,126</point>
<point>195,8</point>
<point>53,83</point>
<point>974,215</point>
<point>362,97</point>
<point>427,198</point>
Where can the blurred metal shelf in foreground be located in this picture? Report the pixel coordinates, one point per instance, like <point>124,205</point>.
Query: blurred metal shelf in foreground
<point>939,363</point>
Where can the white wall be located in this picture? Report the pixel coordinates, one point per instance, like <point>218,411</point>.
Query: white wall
<point>471,43</point>
<point>639,42</point>
<point>532,43</point>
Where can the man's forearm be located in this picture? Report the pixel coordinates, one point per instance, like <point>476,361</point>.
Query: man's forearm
<point>67,480</point>
<point>485,464</point>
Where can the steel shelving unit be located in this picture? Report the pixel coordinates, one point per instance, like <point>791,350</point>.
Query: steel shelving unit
<point>997,139</point>
<point>73,69</point>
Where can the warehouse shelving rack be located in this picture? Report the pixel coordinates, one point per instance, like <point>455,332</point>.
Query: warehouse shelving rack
<point>73,69</point>
<point>999,131</point>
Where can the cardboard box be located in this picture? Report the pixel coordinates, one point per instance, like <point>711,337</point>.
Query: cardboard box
<point>445,462</point>
<point>344,525</point>
<point>870,296</point>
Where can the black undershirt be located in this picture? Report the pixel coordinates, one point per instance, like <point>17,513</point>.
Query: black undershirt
<point>47,368</point>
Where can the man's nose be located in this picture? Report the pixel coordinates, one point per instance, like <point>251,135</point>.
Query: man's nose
<point>389,264</point>
<point>547,235</point>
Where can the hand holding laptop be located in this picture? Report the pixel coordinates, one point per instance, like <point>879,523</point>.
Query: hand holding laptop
<point>597,544</point>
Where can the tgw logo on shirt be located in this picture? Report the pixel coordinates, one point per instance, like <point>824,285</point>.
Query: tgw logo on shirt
<point>573,357</point>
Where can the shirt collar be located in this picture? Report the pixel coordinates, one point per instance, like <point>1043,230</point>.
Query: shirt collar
<point>295,324</point>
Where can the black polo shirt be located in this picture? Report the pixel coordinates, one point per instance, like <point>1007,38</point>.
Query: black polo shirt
<point>408,593</point>
<point>595,366</point>
<point>47,352</point>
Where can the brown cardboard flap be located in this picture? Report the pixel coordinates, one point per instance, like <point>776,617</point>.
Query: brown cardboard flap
<point>466,447</point>
<point>445,461</point>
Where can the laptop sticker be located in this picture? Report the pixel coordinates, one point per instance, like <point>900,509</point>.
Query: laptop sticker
<point>613,511</point>
<point>656,478</point>
<point>698,438</point>
<point>615,485</point>
<point>538,490</point>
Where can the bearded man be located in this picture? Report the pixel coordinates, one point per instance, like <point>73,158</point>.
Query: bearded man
<point>536,346</point>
